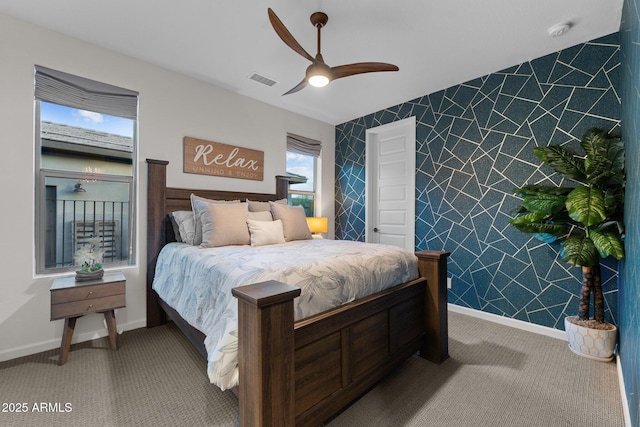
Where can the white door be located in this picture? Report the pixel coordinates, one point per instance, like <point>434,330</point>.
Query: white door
<point>390,194</point>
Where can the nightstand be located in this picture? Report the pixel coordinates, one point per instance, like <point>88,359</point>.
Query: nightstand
<point>71,299</point>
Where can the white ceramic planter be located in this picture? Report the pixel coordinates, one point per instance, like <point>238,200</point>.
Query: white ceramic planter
<point>596,344</point>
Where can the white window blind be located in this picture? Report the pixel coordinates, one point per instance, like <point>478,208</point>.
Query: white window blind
<point>78,92</point>
<point>303,145</point>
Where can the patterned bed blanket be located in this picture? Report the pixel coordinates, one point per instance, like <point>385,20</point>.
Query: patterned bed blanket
<point>197,284</point>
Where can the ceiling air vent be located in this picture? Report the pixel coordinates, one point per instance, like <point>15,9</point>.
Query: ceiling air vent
<point>262,79</point>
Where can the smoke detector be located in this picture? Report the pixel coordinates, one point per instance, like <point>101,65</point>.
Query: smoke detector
<point>559,29</point>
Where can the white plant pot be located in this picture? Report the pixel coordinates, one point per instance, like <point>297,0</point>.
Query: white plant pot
<point>596,344</point>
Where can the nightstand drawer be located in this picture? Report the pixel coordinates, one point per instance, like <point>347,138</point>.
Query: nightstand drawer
<point>82,293</point>
<point>78,308</point>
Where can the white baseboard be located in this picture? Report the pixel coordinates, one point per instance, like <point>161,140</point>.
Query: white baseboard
<point>41,346</point>
<point>514,323</point>
<point>623,394</point>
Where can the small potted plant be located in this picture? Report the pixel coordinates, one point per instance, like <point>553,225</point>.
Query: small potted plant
<point>89,257</point>
<point>586,218</point>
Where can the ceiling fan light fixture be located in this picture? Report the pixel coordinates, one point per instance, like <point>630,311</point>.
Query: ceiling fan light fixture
<point>318,75</point>
<point>318,80</point>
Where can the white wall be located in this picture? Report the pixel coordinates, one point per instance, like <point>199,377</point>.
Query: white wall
<point>171,107</point>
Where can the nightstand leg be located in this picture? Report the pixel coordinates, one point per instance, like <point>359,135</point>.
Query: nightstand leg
<point>69,326</point>
<point>110,317</point>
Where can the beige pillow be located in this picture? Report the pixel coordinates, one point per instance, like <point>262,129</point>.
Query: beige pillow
<point>260,216</point>
<point>186,226</point>
<point>294,221</point>
<point>224,224</point>
<point>265,232</point>
<point>199,205</point>
<point>255,206</point>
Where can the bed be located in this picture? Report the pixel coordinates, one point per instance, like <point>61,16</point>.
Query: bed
<point>301,372</point>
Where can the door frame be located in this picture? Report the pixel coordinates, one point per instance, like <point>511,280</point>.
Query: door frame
<point>410,124</point>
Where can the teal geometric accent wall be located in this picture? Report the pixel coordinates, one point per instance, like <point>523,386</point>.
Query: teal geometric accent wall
<point>474,144</point>
<point>629,293</point>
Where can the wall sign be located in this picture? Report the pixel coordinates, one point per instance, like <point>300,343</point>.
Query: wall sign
<point>213,158</point>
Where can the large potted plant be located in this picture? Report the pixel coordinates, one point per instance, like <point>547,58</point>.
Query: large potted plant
<point>585,216</point>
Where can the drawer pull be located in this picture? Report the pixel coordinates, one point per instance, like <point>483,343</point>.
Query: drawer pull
<point>90,306</point>
<point>90,293</point>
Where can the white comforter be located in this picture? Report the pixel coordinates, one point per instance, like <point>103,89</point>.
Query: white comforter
<point>197,283</point>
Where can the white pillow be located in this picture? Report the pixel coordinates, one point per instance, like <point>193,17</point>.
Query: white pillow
<point>224,224</point>
<point>265,232</point>
<point>199,205</point>
<point>186,226</point>
<point>294,221</point>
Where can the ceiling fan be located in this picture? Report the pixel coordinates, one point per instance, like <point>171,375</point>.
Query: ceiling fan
<point>318,73</point>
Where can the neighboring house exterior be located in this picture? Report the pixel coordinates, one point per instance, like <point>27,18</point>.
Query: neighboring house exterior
<point>90,206</point>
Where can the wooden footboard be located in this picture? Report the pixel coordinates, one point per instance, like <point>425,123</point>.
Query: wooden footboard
<point>301,373</point>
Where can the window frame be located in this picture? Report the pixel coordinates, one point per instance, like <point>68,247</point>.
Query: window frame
<point>40,207</point>
<point>314,192</point>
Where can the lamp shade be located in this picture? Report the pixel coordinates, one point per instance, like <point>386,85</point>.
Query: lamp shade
<point>318,224</point>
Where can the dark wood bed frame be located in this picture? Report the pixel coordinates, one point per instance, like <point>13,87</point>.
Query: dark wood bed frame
<point>301,373</point>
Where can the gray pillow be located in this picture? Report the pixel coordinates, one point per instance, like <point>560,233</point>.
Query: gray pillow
<point>186,227</point>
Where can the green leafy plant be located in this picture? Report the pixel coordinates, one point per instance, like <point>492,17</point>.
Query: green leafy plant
<point>86,268</point>
<point>586,218</point>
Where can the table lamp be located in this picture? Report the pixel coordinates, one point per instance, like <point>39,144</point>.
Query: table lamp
<point>317,225</point>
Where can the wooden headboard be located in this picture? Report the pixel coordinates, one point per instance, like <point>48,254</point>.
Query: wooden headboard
<point>161,201</point>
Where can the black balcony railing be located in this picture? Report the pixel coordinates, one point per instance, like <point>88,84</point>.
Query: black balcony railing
<point>72,224</point>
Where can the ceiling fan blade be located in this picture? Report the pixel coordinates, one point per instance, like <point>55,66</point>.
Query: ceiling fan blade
<point>360,68</point>
<point>286,36</point>
<point>299,87</point>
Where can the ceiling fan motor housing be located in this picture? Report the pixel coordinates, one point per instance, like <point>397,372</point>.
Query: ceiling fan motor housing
<point>318,74</point>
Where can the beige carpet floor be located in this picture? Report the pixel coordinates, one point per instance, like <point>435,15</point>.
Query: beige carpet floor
<point>496,376</point>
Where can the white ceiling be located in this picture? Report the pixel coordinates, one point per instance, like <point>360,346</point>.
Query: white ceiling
<point>436,44</point>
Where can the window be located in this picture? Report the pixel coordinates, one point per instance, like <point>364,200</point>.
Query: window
<point>301,169</point>
<point>85,165</point>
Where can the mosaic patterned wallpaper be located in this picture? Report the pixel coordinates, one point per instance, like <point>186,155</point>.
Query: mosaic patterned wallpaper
<point>474,145</point>
<point>629,295</point>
